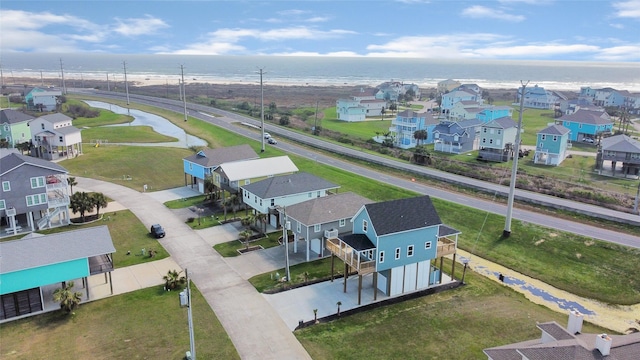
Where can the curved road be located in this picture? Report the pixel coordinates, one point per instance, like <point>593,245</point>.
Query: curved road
<point>228,120</point>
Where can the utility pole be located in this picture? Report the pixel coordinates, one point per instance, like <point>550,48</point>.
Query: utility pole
<point>108,85</point>
<point>184,93</point>
<point>514,169</point>
<point>41,79</point>
<point>285,237</point>
<point>635,205</point>
<point>315,121</point>
<point>261,109</point>
<point>191,355</point>
<point>64,86</point>
<point>126,85</point>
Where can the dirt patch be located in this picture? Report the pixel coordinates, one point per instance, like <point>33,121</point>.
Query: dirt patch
<point>539,242</point>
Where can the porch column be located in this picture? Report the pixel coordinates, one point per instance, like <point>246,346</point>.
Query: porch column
<point>375,285</point>
<point>85,280</point>
<point>332,261</point>
<point>359,288</point>
<point>110,283</point>
<point>453,266</point>
<point>346,274</point>
<point>440,277</point>
<point>307,240</point>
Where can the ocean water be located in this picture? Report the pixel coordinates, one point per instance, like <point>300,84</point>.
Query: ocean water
<point>324,71</point>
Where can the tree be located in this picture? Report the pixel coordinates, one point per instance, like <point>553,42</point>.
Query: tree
<point>173,279</point>
<point>67,298</point>
<point>99,201</point>
<point>245,236</point>
<point>72,182</point>
<point>393,107</point>
<point>81,202</point>
<point>262,218</point>
<point>209,187</point>
<point>420,135</point>
<point>23,147</point>
<point>284,120</point>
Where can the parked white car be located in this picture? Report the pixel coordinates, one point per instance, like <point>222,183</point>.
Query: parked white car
<point>267,135</point>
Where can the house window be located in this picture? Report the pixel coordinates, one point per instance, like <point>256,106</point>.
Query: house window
<point>61,139</point>
<point>484,130</point>
<point>543,137</point>
<point>36,199</point>
<point>316,227</point>
<point>427,245</point>
<point>555,138</point>
<point>299,227</point>
<point>190,166</point>
<point>410,251</point>
<point>309,195</point>
<point>218,178</point>
<point>6,186</point>
<point>6,127</point>
<point>342,222</point>
<point>484,140</point>
<point>37,182</point>
<point>2,205</point>
<point>499,131</point>
<point>273,202</point>
<point>42,126</point>
<point>490,141</point>
<point>247,181</point>
<point>255,199</point>
<point>260,202</point>
<point>397,253</point>
<point>381,257</point>
<point>365,225</point>
<point>318,194</point>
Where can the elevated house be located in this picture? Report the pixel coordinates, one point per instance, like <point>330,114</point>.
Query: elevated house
<point>551,145</point>
<point>587,125</point>
<point>464,110</point>
<point>456,137</point>
<point>395,90</point>
<point>32,268</point>
<point>558,342</point>
<point>42,100</point>
<point>619,149</point>
<point>490,113</point>
<point>200,166</point>
<point>232,175</point>
<point>360,105</point>
<point>316,220</point>
<point>268,195</point>
<point>497,140</point>
<point>397,243</point>
<point>34,194</point>
<point>54,137</point>
<point>537,97</point>
<point>407,123</point>
<point>451,98</point>
<point>445,86</point>
<point>14,127</point>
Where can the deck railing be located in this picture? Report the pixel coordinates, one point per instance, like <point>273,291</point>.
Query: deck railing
<point>446,246</point>
<point>348,254</point>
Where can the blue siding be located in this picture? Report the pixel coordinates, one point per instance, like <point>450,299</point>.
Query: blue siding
<point>196,170</point>
<point>580,128</point>
<point>417,238</point>
<point>44,275</point>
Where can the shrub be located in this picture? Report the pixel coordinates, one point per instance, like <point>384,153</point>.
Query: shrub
<point>191,219</point>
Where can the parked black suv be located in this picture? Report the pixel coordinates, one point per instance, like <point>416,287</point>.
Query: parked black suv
<point>157,231</point>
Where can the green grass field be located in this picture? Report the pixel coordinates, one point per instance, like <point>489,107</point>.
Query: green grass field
<point>125,134</point>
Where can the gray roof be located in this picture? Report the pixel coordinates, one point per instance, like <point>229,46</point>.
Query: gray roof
<point>327,209</point>
<point>445,230</point>
<point>460,127</point>
<point>358,241</point>
<point>555,330</point>
<point>32,252</point>
<point>11,116</point>
<point>55,117</point>
<point>215,157</point>
<point>588,117</point>
<point>297,183</point>
<point>66,130</point>
<point>401,215</point>
<point>554,130</point>
<point>13,161</point>
<point>504,122</point>
<point>621,143</point>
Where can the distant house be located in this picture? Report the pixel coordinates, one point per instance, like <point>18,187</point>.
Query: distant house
<point>14,127</point>
<point>538,98</point>
<point>464,110</point>
<point>490,113</point>
<point>451,98</point>
<point>407,123</point>
<point>33,267</point>
<point>53,137</point>
<point>587,125</point>
<point>456,137</point>
<point>396,241</point>
<point>266,195</point>
<point>557,342</point>
<point>201,165</point>
<point>360,105</point>
<point>395,90</point>
<point>445,86</point>
<point>34,194</point>
<point>316,220</point>
<point>609,97</point>
<point>497,140</point>
<point>551,145</point>
<point>42,100</point>
<point>232,175</point>
<point>619,149</point>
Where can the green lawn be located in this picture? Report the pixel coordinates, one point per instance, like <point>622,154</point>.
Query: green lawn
<point>364,130</point>
<point>230,248</point>
<point>106,117</point>
<point>125,134</point>
<point>145,324</point>
<point>300,273</point>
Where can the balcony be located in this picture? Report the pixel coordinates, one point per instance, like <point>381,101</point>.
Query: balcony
<point>446,247</point>
<point>350,256</point>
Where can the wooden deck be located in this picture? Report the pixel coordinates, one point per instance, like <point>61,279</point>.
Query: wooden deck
<point>446,246</point>
<point>350,256</point>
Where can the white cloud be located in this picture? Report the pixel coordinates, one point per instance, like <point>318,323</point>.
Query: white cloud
<point>619,53</point>
<point>139,26</point>
<point>445,46</point>
<point>534,51</point>
<point>483,12</point>
<point>628,9</point>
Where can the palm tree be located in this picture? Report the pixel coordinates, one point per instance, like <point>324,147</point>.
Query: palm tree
<point>262,218</point>
<point>315,316</point>
<point>173,279</point>
<point>209,187</point>
<point>99,201</point>
<point>81,202</point>
<point>67,298</point>
<point>245,236</point>
<point>72,182</point>
<point>420,135</point>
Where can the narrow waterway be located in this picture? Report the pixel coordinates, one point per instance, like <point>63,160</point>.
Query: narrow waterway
<point>158,123</point>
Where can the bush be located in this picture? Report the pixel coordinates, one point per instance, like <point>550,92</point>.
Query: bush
<point>191,220</point>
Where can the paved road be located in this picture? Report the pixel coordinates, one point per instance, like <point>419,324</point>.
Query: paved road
<point>255,328</point>
<point>230,121</point>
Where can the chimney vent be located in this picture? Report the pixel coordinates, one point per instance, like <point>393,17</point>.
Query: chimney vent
<point>575,322</point>
<point>603,344</point>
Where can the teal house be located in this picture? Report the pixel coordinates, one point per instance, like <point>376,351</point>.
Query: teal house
<point>31,268</point>
<point>14,127</point>
<point>397,244</point>
<point>201,165</point>
<point>551,145</point>
<point>587,125</point>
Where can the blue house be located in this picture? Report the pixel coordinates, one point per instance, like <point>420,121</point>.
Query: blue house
<point>42,100</point>
<point>451,98</point>
<point>551,145</point>
<point>201,165</point>
<point>407,123</point>
<point>31,268</point>
<point>395,242</point>
<point>538,98</point>
<point>587,125</point>
<point>456,137</point>
<point>491,113</point>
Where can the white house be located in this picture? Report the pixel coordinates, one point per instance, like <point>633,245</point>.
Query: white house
<point>53,136</point>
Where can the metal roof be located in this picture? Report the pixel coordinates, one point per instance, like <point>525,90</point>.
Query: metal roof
<point>297,183</point>
<point>13,161</point>
<point>249,169</point>
<point>215,157</point>
<point>327,209</point>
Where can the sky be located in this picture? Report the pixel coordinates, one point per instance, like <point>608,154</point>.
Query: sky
<point>585,30</point>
